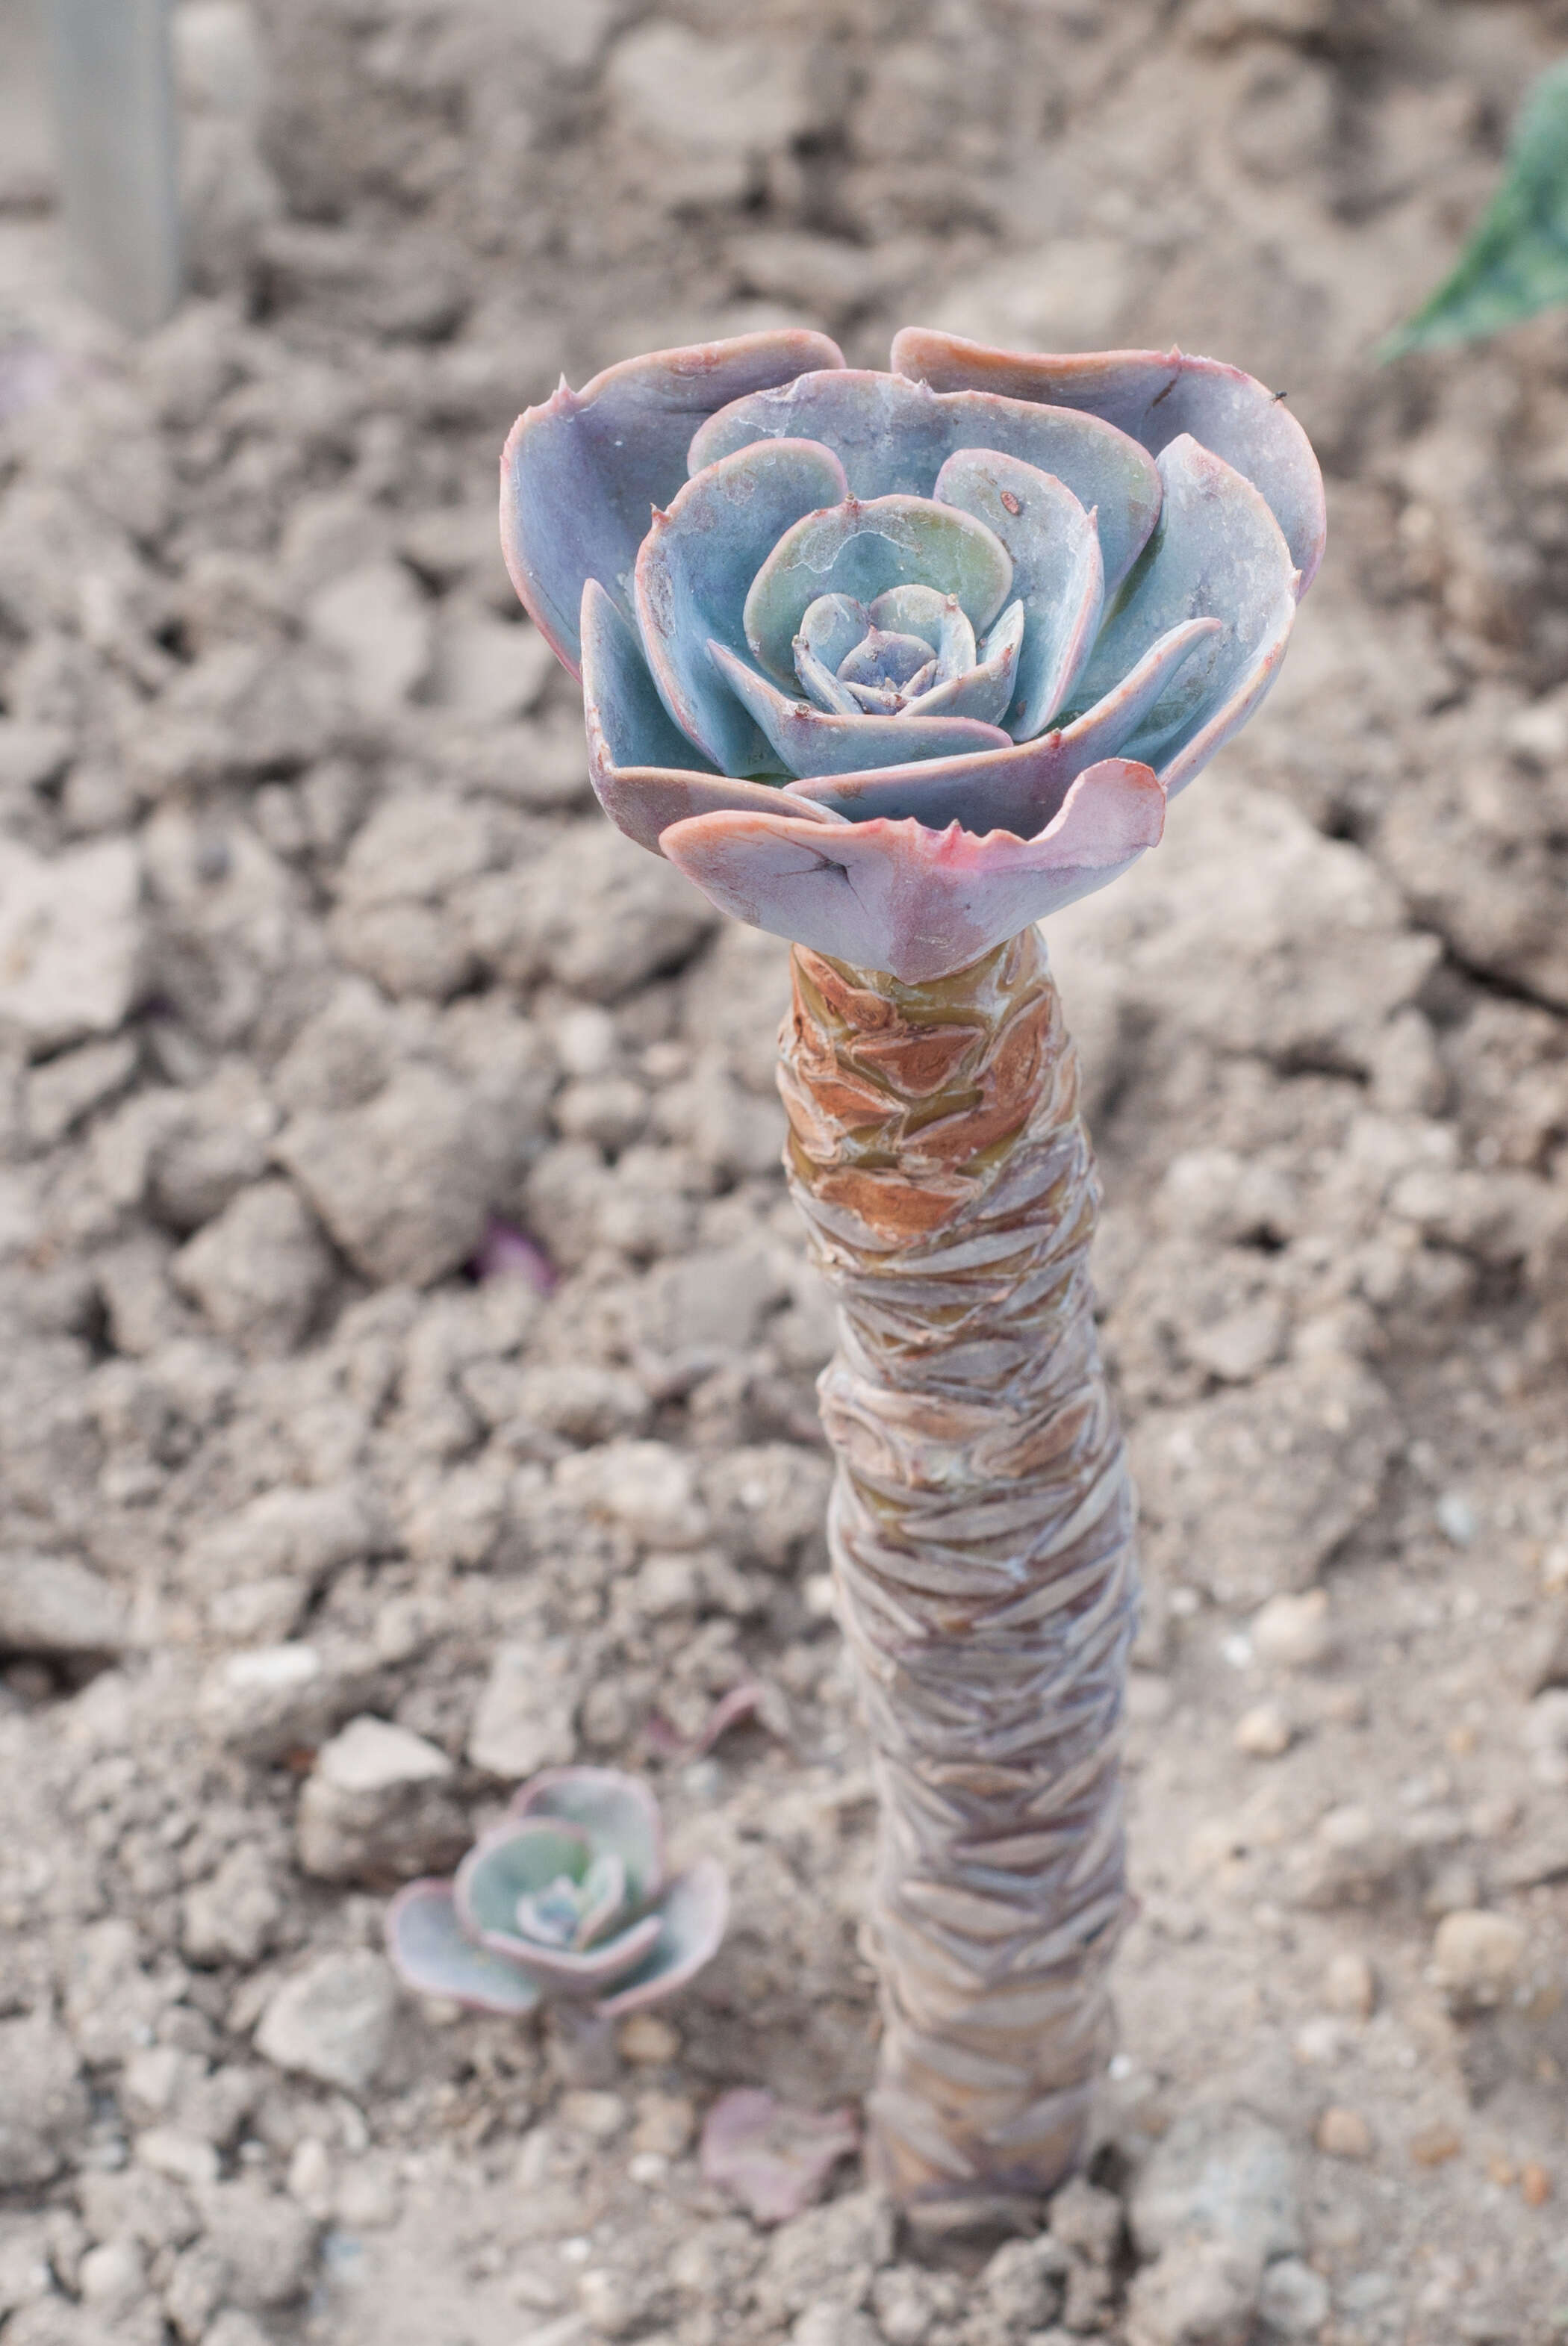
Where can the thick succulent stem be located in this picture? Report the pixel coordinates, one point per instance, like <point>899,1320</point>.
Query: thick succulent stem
<point>982,1536</point>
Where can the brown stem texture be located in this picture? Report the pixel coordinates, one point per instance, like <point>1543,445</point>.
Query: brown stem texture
<point>981,1537</point>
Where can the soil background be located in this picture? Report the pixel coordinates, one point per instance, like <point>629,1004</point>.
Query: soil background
<point>321,981</point>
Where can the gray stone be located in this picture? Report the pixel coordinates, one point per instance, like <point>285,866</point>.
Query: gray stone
<point>332,2020</point>
<point>648,1487</point>
<point>71,942</point>
<point>266,1702</point>
<point>267,2242</point>
<point>594,912</point>
<point>52,1605</point>
<point>1220,2176</point>
<point>486,669</point>
<point>768,1502</point>
<point>43,2101</point>
<point>232,1918</point>
<point>1199,2293</point>
<point>1294,2300</point>
<point>1024,2282</point>
<point>405,1183</point>
<point>261,1271</point>
<point>379,1807</point>
<point>1251,1492</point>
<point>526,1718</point>
<point>831,2253</point>
<point>65,1089</point>
<point>379,626</point>
<point>31,756</point>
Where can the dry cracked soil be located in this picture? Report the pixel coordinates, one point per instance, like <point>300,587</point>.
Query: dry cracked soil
<point>320,975</point>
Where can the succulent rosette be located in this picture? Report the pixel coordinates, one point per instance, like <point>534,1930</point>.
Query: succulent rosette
<point>893,664</point>
<point>566,1898</point>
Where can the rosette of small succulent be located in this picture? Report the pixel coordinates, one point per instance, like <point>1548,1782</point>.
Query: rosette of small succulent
<point>567,1898</point>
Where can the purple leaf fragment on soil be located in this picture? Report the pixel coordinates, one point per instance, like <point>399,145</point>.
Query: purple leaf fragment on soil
<point>774,2160</point>
<point>507,1253</point>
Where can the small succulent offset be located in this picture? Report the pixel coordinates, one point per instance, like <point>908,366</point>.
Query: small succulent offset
<point>566,1898</point>
<point>893,664</point>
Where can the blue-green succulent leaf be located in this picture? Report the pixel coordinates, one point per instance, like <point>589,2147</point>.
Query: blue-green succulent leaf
<point>895,435</point>
<point>580,474</point>
<point>693,571</point>
<point>862,550</point>
<point>812,741</point>
<point>617,1812</point>
<point>620,700</point>
<point>832,627</point>
<point>1152,397</point>
<point>692,1915</point>
<point>515,1863</point>
<point>1219,552</point>
<point>1058,572</point>
<point>987,688</point>
<point>432,1955</point>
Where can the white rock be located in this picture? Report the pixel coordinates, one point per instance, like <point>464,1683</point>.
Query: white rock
<point>267,1701</point>
<point>379,626</point>
<point>333,2020</point>
<point>375,1807</point>
<point>71,942</point>
<point>1221,2175</point>
<point>52,1605</point>
<point>1293,1633</point>
<point>526,1719</point>
<point>1478,1955</point>
<point>43,2101</point>
<point>405,1182</point>
<point>487,670</point>
<point>648,1488</point>
<point>1545,1734</point>
<point>1264,1732</point>
<point>1198,2293</point>
<point>723,98</point>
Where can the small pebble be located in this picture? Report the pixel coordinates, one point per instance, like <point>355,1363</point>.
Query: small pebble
<point>1456,1519</point>
<point>1293,1633</point>
<point>1262,1732</point>
<point>1434,2145</point>
<point>1351,1985</point>
<point>648,2042</point>
<point>1534,2184</point>
<point>599,2116</point>
<point>1343,2133</point>
<point>666,2122</point>
<point>1478,1955</point>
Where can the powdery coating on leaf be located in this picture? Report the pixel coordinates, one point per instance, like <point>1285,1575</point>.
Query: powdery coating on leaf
<point>896,896</point>
<point>775,2160</point>
<point>432,1955</point>
<point>1152,396</point>
<point>695,567</point>
<point>616,1813</point>
<point>811,742</point>
<point>895,435</point>
<point>643,797</point>
<point>862,549</point>
<point>579,474</point>
<point>1058,572</point>
<point>692,1912</point>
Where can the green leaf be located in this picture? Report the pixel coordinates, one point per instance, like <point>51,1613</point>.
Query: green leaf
<point>1517,261</point>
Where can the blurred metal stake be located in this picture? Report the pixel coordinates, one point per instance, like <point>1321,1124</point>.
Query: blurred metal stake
<point>111,65</point>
